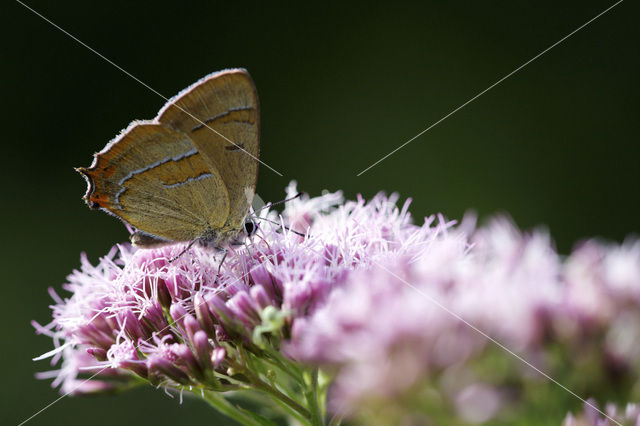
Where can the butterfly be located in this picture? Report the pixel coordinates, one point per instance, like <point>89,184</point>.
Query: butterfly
<point>188,175</point>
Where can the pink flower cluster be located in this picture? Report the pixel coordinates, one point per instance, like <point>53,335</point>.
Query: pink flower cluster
<point>403,318</point>
<point>137,314</point>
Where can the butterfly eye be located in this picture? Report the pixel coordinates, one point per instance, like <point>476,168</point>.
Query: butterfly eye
<point>250,227</point>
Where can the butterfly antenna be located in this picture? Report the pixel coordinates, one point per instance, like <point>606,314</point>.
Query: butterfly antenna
<point>298,195</point>
<point>279,224</point>
<point>186,249</point>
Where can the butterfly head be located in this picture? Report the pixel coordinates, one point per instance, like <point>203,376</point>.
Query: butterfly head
<point>250,227</point>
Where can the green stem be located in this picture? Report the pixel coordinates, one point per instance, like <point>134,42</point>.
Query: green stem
<point>311,395</point>
<point>216,400</point>
<point>289,410</point>
<point>272,391</point>
<point>335,420</point>
<point>283,364</point>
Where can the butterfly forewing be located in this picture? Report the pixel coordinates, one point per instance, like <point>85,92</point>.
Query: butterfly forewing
<point>220,114</point>
<point>153,177</point>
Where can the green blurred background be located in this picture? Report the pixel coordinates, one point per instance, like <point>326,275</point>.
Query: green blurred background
<point>340,86</point>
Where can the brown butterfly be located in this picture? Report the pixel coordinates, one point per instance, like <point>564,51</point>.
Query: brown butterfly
<point>190,173</point>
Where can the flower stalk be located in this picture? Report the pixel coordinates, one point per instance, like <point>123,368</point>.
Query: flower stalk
<point>220,403</point>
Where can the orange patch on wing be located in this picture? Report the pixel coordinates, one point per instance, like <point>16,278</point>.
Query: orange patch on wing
<point>102,200</point>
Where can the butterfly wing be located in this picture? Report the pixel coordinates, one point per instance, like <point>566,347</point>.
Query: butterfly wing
<point>220,114</point>
<point>153,177</point>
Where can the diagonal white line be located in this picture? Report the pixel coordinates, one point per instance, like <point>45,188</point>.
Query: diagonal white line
<point>146,85</point>
<point>496,342</point>
<point>58,399</point>
<point>491,87</point>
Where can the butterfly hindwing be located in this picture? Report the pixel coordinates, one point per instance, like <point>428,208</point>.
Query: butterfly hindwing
<point>220,114</point>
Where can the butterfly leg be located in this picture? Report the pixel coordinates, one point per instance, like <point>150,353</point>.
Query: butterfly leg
<point>186,249</point>
<point>221,262</point>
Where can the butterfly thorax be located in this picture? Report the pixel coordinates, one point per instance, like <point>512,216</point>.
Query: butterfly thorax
<point>220,238</point>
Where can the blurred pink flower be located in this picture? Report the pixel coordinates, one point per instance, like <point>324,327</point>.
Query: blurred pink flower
<point>630,416</point>
<point>396,329</point>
